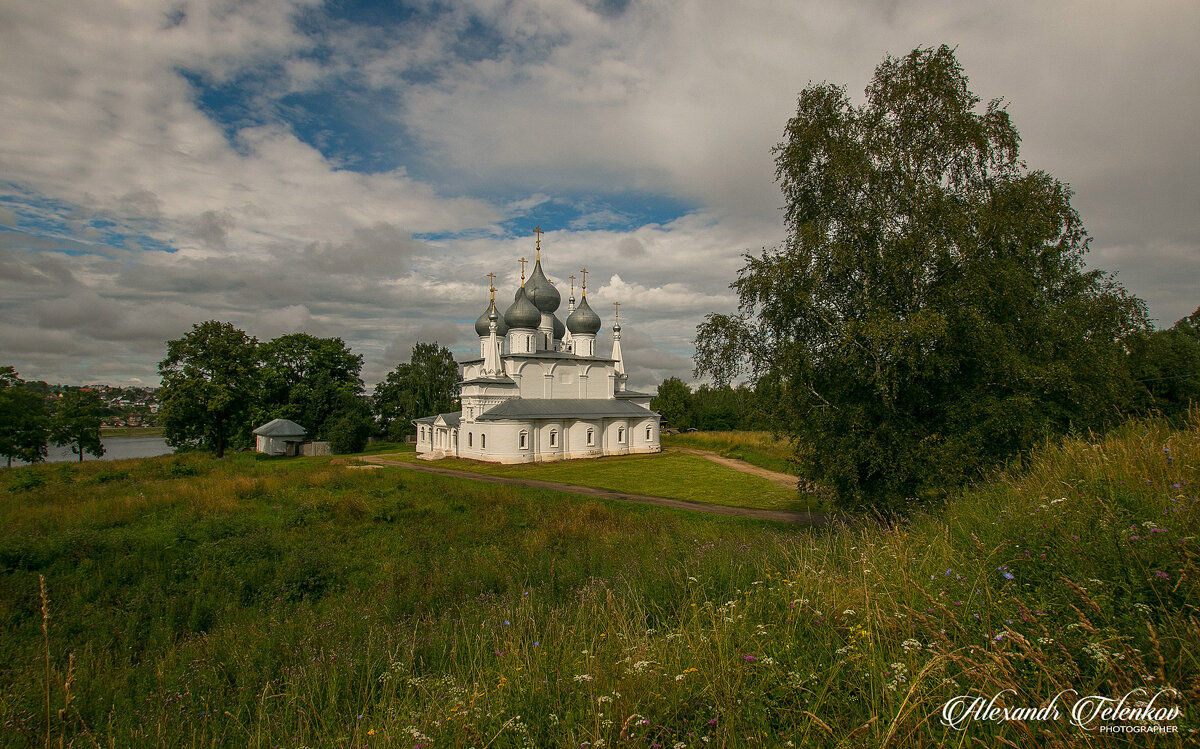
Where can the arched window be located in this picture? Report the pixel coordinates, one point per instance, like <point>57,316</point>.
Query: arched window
<point>482,441</point>
<point>591,437</point>
<point>524,439</point>
<point>553,438</point>
<point>422,433</point>
<point>620,435</point>
<point>648,432</point>
<point>469,438</point>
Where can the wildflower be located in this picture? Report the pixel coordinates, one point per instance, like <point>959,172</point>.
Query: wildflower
<point>1004,571</point>
<point>1161,575</point>
<point>506,623</point>
<point>582,677</point>
<point>712,722</point>
<point>749,658</point>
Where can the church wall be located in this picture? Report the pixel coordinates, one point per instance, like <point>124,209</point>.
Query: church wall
<point>616,437</point>
<point>577,436</point>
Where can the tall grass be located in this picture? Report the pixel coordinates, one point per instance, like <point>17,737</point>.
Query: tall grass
<point>266,602</point>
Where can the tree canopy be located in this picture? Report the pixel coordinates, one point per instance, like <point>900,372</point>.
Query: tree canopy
<point>426,385</point>
<point>308,380</point>
<point>76,422</point>
<point>929,313</point>
<point>210,379</point>
<point>24,421</point>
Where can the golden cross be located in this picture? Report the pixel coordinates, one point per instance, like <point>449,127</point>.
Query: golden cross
<point>584,272</point>
<point>492,286</point>
<point>617,310</point>
<point>538,231</point>
<point>523,261</point>
<point>572,285</point>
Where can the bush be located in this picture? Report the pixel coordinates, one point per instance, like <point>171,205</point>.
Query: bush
<point>25,481</point>
<point>349,433</point>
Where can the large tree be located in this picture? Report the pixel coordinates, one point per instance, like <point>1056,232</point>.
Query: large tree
<point>1166,366</point>
<point>929,313</point>
<point>209,382</point>
<point>426,385</point>
<point>24,422</point>
<point>76,422</point>
<point>674,402</point>
<point>308,380</point>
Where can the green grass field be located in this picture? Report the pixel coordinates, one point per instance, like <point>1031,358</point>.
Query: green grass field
<point>259,602</point>
<point>757,448</point>
<point>668,474</point>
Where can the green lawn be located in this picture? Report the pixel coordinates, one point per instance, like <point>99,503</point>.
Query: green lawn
<point>757,448</point>
<point>668,474</point>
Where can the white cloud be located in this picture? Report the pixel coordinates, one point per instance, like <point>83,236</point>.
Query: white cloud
<point>111,153</point>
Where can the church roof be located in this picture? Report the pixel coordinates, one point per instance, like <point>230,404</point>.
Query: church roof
<point>452,419</point>
<point>501,380</point>
<point>632,394</point>
<point>541,292</point>
<point>280,428</point>
<point>583,320</point>
<point>543,355</point>
<point>482,323</point>
<point>562,408</point>
<point>523,313</point>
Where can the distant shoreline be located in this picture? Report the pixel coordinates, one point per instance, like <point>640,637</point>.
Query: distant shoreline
<point>131,432</point>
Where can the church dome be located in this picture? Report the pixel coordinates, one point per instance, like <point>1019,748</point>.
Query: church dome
<point>583,320</point>
<point>541,292</point>
<point>522,313</point>
<point>559,329</point>
<point>481,324</point>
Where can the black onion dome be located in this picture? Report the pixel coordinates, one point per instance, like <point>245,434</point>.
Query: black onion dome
<point>541,292</point>
<point>559,329</point>
<point>522,313</point>
<point>583,320</point>
<point>481,324</point>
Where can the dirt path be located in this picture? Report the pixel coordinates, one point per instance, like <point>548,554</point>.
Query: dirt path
<point>782,516</point>
<point>783,479</point>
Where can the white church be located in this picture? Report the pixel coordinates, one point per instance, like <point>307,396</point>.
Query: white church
<point>539,391</point>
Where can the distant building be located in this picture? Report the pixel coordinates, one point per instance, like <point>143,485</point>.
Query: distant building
<point>539,391</point>
<point>279,437</point>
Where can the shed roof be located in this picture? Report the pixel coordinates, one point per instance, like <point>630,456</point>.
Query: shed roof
<point>281,428</point>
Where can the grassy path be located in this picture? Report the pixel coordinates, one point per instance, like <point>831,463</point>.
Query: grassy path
<point>782,516</point>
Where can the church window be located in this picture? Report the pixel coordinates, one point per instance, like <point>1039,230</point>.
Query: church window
<point>482,441</point>
<point>591,437</point>
<point>524,439</point>
<point>553,438</point>
<point>470,437</point>
<point>648,430</point>
<point>620,435</point>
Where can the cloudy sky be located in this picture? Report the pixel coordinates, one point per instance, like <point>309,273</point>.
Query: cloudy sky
<point>356,168</point>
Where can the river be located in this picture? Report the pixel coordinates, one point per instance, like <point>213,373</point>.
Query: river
<point>115,448</point>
